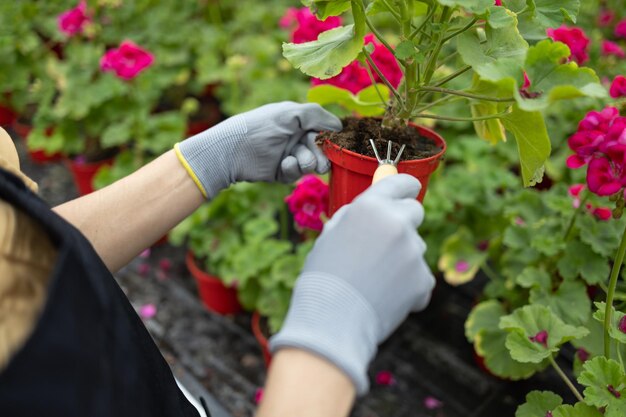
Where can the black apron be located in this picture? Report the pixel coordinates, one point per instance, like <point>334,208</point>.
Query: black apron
<point>89,353</point>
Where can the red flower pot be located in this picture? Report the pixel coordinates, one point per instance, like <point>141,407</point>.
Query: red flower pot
<point>215,295</point>
<point>83,173</point>
<point>351,173</point>
<point>7,116</point>
<point>21,128</point>
<point>261,338</point>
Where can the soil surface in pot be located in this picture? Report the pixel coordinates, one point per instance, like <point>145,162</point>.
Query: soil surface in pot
<point>357,132</point>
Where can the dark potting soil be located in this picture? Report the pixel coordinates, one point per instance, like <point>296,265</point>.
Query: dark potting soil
<point>357,132</point>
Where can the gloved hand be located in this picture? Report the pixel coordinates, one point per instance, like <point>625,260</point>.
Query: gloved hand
<point>364,275</point>
<point>275,142</point>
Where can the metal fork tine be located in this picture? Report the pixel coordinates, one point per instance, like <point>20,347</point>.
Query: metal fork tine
<point>389,150</point>
<point>395,162</point>
<point>375,151</point>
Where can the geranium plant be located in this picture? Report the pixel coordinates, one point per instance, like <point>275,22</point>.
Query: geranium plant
<point>495,56</point>
<point>554,278</point>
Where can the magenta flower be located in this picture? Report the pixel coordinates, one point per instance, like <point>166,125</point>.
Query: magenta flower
<point>258,396</point>
<point>611,48</point>
<point>602,213</point>
<point>575,39</point>
<point>462,266</point>
<point>604,177</point>
<point>147,311</point>
<point>385,378</point>
<point>622,325</point>
<point>582,354</point>
<point>73,21</point>
<point>599,120</point>
<point>498,3</point>
<point>127,61</point>
<point>575,190</point>
<point>585,144</point>
<point>305,26</point>
<point>620,29</point>
<point>541,338</point>
<point>618,87</point>
<point>605,17</point>
<point>354,77</point>
<point>432,403</point>
<point>308,201</point>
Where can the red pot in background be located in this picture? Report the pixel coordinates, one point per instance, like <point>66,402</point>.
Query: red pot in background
<point>7,116</point>
<point>39,156</point>
<point>352,173</point>
<point>21,128</point>
<point>215,295</point>
<point>261,338</point>
<point>83,173</point>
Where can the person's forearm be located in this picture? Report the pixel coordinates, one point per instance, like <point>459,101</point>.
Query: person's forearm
<point>304,385</point>
<point>128,216</point>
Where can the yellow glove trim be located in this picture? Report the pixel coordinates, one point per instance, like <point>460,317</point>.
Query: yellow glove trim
<point>192,174</point>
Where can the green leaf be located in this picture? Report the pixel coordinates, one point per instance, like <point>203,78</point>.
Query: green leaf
<point>533,142</point>
<point>491,346</point>
<point>490,129</point>
<point>474,6</point>
<point>535,16</point>
<point>554,80</point>
<point>570,302</point>
<point>325,8</point>
<point>483,317</point>
<point>603,237</point>
<point>405,50</point>
<point>117,134</point>
<point>580,260</point>
<point>460,259</point>
<point>366,102</point>
<point>577,410</point>
<point>600,377</point>
<point>534,277</point>
<point>538,403</point>
<point>500,17</point>
<point>527,322</point>
<point>616,317</point>
<point>325,57</point>
<point>259,229</point>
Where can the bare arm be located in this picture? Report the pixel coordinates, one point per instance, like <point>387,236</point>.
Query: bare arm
<point>128,216</point>
<point>304,385</point>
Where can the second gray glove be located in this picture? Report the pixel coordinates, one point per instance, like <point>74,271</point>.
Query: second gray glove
<point>364,275</point>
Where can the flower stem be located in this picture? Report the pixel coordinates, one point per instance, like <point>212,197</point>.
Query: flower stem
<point>435,103</point>
<point>465,94</point>
<point>570,227</point>
<point>460,119</point>
<point>375,84</point>
<point>453,76</point>
<point>426,19</point>
<point>458,32</point>
<point>382,77</point>
<point>608,313</point>
<point>565,379</point>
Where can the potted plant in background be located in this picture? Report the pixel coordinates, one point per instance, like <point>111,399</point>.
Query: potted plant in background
<point>448,51</point>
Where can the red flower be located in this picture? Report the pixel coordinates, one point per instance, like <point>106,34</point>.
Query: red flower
<point>599,120</point>
<point>306,27</point>
<point>618,87</point>
<point>602,213</point>
<point>498,3</point>
<point>127,61</point>
<point>72,22</point>
<point>575,39</point>
<point>354,77</point>
<point>582,354</point>
<point>585,144</point>
<point>604,177</point>
<point>308,201</point>
<point>541,338</point>
<point>620,29</point>
<point>605,17</point>
<point>385,378</point>
<point>611,48</point>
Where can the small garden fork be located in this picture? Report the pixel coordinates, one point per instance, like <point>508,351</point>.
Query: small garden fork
<point>388,166</point>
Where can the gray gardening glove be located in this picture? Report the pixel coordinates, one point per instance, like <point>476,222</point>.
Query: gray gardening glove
<point>364,275</point>
<point>275,142</point>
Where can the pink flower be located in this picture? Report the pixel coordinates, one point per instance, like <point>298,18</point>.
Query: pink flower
<point>602,213</point>
<point>432,403</point>
<point>127,61</point>
<point>575,39</point>
<point>354,77</point>
<point>147,311</point>
<point>306,27</point>
<point>611,48</point>
<point>599,120</point>
<point>604,177</point>
<point>582,354</point>
<point>498,3</point>
<point>620,29</point>
<point>541,338</point>
<point>605,17</point>
<point>308,201</point>
<point>622,325</point>
<point>145,253</point>
<point>576,189</point>
<point>618,87</point>
<point>72,22</point>
<point>385,378</point>
<point>258,395</point>
<point>462,266</point>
